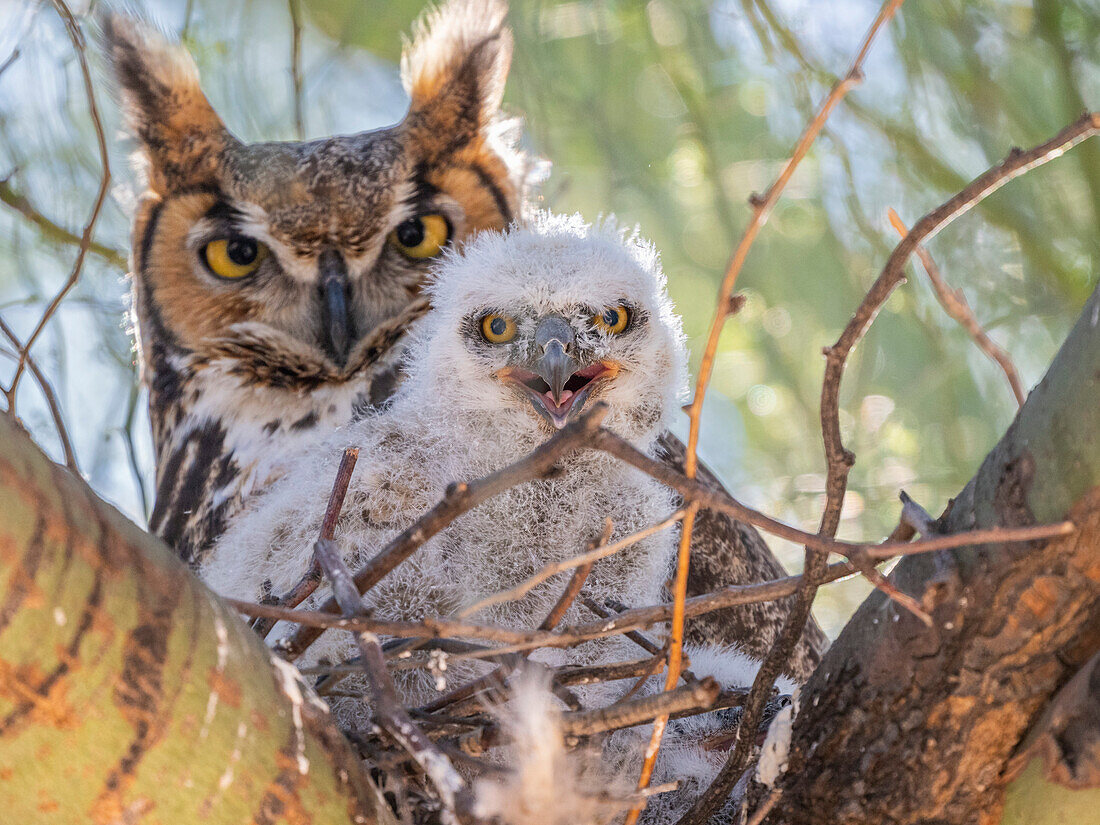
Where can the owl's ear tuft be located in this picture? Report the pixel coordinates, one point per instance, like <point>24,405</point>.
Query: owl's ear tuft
<point>181,136</point>
<point>454,71</point>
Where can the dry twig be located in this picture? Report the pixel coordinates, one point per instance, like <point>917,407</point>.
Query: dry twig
<point>697,697</point>
<point>296,66</point>
<point>77,38</point>
<point>955,304</point>
<point>10,59</point>
<point>306,585</point>
<point>591,556</point>
<point>52,231</point>
<point>389,713</point>
<point>50,396</point>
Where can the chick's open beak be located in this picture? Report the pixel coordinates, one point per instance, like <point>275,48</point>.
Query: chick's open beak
<point>559,386</point>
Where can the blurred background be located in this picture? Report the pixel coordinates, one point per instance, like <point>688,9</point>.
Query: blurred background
<point>669,113</point>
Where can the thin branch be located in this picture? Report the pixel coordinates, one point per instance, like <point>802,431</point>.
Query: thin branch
<point>569,595</point>
<point>721,501</point>
<point>574,675</point>
<point>880,582</point>
<point>765,807</point>
<point>839,458</point>
<point>52,231</point>
<point>698,697</point>
<point>955,304</point>
<point>389,713</point>
<point>737,594</point>
<point>296,66</point>
<point>50,396</point>
<point>640,639</point>
<point>430,628</point>
<point>131,447</point>
<point>306,585</point>
<point>10,59</point>
<point>77,38</point>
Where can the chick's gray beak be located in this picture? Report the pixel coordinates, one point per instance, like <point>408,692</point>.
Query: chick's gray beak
<point>335,322</point>
<point>555,338</point>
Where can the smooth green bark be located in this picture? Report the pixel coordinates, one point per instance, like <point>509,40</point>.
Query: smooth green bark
<point>129,692</point>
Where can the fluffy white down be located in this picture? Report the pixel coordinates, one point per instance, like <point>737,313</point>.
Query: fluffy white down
<point>452,420</point>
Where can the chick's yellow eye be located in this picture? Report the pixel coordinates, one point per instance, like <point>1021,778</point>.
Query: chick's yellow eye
<point>498,329</point>
<point>422,236</point>
<point>234,257</point>
<point>612,320</point>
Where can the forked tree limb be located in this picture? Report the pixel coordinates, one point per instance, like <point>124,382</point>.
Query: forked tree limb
<point>903,724</point>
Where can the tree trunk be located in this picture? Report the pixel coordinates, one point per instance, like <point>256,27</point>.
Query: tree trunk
<point>904,724</point>
<point>129,693</point>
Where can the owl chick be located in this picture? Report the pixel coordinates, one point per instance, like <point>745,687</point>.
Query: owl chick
<point>528,329</point>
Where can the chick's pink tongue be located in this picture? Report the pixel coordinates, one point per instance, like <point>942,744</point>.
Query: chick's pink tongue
<point>565,396</point>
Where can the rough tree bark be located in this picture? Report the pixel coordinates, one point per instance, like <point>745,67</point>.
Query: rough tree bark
<point>129,693</point>
<point>904,724</point>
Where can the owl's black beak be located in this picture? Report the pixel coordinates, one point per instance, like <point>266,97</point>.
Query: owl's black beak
<point>335,322</point>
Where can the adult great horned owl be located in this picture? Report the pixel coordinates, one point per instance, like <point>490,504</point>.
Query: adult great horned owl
<point>273,283</point>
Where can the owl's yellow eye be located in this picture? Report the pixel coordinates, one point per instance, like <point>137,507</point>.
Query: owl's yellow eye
<point>422,236</point>
<point>612,320</point>
<point>497,328</point>
<point>234,257</point>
